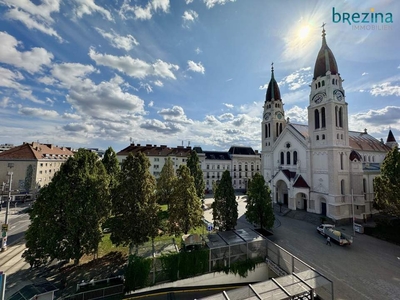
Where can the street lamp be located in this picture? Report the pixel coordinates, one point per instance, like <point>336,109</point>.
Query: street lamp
<point>4,227</point>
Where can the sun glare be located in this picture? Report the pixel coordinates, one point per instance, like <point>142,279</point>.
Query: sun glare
<point>303,32</point>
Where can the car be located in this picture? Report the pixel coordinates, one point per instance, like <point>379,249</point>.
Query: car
<point>320,228</point>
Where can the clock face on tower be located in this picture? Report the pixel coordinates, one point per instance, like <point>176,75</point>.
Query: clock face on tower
<point>318,98</point>
<point>338,95</point>
<point>266,116</point>
<point>279,115</point>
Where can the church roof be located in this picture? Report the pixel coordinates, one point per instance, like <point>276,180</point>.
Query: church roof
<point>390,137</point>
<point>241,150</point>
<point>325,60</point>
<point>358,140</point>
<point>355,155</point>
<point>273,91</point>
<point>301,183</point>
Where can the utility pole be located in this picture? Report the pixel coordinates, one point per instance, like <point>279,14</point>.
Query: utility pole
<point>4,227</point>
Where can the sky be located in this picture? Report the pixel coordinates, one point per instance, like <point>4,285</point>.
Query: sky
<point>100,73</point>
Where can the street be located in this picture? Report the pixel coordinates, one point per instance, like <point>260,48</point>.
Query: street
<point>368,269</point>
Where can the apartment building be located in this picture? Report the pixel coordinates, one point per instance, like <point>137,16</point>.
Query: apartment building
<point>43,159</point>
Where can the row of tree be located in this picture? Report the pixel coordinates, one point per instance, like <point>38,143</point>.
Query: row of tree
<point>67,218</point>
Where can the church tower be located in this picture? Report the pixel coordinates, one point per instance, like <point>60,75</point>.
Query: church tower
<point>328,130</point>
<point>274,115</point>
<point>391,141</point>
<point>272,125</point>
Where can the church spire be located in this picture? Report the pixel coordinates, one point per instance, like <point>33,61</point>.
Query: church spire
<point>325,60</point>
<point>273,91</point>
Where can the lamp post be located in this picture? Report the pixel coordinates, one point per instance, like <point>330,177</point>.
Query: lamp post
<point>4,227</point>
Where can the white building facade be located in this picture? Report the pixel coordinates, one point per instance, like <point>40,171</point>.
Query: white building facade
<point>321,167</point>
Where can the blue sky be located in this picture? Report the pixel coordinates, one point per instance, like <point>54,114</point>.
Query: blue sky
<point>91,73</point>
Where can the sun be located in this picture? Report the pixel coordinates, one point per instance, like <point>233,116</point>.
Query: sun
<point>303,32</point>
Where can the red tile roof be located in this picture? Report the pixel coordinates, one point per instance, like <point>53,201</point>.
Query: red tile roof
<point>36,151</point>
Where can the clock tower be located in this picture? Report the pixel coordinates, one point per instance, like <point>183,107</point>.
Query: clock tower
<point>328,132</point>
<point>273,121</point>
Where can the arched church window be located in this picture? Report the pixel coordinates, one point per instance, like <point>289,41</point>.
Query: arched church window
<point>280,128</point>
<point>336,117</point>
<point>365,158</point>
<point>323,82</point>
<point>340,117</point>
<point>282,158</point>
<point>337,136</point>
<point>323,123</point>
<point>342,189</point>
<point>295,157</point>
<point>341,136</point>
<point>333,81</point>
<point>266,130</point>
<point>319,84</point>
<point>277,129</point>
<point>336,81</point>
<point>317,137</point>
<point>269,130</point>
<point>315,86</point>
<point>365,188</point>
<point>323,136</point>
<point>341,161</point>
<point>316,118</point>
<point>288,158</point>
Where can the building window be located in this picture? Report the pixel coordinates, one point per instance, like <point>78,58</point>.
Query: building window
<point>295,157</point>
<point>317,137</point>
<point>280,128</point>
<point>341,161</point>
<point>323,136</point>
<point>288,158</point>
<point>282,158</point>
<point>323,117</point>
<point>316,117</point>
<point>277,129</point>
<point>41,164</point>
<point>333,81</point>
<point>269,130</point>
<point>342,187</point>
<point>266,130</point>
<point>323,82</point>
<point>365,188</point>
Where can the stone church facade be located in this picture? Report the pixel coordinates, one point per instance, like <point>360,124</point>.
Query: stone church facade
<point>322,167</point>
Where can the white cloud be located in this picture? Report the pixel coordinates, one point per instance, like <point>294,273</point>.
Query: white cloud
<point>4,102</point>
<point>198,50</point>
<point>9,79</point>
<point>70,74</point>
<point>385,89</point>
<point>211,3</point>
<point>87,7</point>
<point>377,118</point>
<point>31,61</point>
<point>79,127</point>
<point>176,114</point>
<point>34,16</point>
<point>188,1</point>
<point>105,101</point>
<point>118,41</point>
<point>364,73</point>
<point>189,17</point>
<point>151,104</point>
<point>135,67</point>
<point>196,67</point>
<point>38,112</point>
<point>297,115</point>
<point>162,127</point>
<point>297,79</point>
<point>228,105</point>
<point>143,13</point>
<point>226,116</point>
<point>158,83</point>
<point>71,116</point>
<point>147,87</point>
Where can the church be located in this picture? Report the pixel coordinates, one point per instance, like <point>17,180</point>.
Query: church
<point>322,167</point>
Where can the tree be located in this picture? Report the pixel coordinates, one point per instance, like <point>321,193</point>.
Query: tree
<point>387,184</point>
<point>225,207</point>
<point>165,183</point>
<point>185,210</point>
<point>28,179</point>
<point>67,216</point>
<point>193,163</point>
<point>134,203</point>
<point>259,203</point>
<point>111,164</point>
